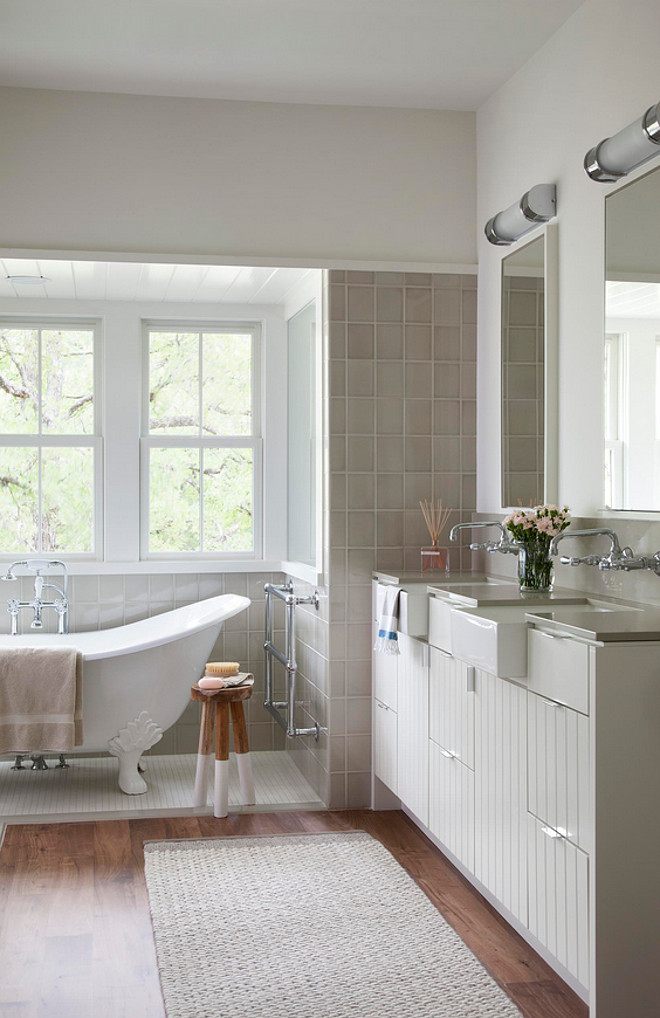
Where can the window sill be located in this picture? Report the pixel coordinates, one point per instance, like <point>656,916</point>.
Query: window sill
<point>173,567</point>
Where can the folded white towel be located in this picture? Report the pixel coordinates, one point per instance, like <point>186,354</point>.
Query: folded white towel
<point>387,614</point>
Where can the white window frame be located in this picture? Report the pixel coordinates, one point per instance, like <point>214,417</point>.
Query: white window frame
<point>40,440</point>
<point>614,450</point>
<point>254,442</point>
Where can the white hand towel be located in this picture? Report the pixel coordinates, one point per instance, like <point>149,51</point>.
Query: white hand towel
<point>387,613</point>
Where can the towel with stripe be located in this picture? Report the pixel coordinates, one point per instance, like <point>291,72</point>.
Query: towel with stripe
<point>387,615</point>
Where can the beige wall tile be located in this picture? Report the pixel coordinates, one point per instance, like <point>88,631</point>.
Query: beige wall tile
<point>360,378</point>
<point>447,307</point>
<point>360,417</point>
<point>389,342</point>
<point>418,304</point>
<point>447,343</point>
<point>360,303</point>
<point>360,341</point>
<point>446,417</point>
<point>418,454</point>
<point>447,380</point>
<point>389,378</point>
<point>418,342</point>
<point>389,304</point>
<point>389,491</point>
<point>360,453</point>
<point>389,416</point>
<point>419,380</point>
<point>418,416</point>
<point>389,454</point>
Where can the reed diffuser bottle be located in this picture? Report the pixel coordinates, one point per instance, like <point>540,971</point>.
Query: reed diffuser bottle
<point>436,517</point>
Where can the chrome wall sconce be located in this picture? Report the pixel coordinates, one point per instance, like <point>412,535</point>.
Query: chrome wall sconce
<point>617,156</point>
<point>536,206</point>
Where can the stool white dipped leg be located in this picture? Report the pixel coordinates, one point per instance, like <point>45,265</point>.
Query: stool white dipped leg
<point>242,747</point>
<point>204,751</point>
<point>221,788</point>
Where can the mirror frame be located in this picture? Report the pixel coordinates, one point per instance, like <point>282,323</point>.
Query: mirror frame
<point>608,512</point>
<point>551,346</point>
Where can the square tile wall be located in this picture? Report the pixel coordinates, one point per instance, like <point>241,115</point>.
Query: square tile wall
<point>400,392</point>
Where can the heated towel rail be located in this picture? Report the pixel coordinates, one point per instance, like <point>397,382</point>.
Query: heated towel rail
<point>284,592</point>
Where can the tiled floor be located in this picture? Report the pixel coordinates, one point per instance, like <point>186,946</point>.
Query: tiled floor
<point>88,789</point>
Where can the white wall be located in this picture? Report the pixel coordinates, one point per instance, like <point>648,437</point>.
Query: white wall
<point>597,74</point>
<point>254,181</point>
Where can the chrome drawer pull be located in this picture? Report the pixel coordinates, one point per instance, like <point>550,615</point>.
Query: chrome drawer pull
<point>550,832</point>
<point>448,755</point>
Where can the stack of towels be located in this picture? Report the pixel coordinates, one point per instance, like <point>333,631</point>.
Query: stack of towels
<point>220,674</point>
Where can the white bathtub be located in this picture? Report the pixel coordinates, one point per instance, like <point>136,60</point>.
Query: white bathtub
<point>137,678</point>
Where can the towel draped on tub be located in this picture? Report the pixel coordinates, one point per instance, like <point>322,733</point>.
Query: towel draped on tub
<point>40,699</point>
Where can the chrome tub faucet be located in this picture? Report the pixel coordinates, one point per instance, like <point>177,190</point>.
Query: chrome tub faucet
<point>60,604</point>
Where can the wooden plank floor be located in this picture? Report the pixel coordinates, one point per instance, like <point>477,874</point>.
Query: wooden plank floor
<point>75,933</point>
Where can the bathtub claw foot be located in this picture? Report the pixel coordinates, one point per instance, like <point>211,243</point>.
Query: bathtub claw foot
<point>128,746</point>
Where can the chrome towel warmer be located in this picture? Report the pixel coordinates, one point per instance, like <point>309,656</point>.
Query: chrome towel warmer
<point>284,592</point>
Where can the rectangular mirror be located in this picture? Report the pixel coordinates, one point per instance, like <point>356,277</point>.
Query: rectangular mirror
<point>631,347</point>
<point>529,420</point>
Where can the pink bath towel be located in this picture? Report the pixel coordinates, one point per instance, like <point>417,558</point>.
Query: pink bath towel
<point>40,699</point>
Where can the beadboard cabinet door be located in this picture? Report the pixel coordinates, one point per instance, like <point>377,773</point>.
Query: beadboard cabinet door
<point>559,897</point>
<point>501,790</point>
<point>451,705</point>
<point>385,745</point>
<point>559,790</point>
<point>451,803</point>
<point>413,727</point>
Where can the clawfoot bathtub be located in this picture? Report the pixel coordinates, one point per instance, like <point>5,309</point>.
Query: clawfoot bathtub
<point>137,678</point>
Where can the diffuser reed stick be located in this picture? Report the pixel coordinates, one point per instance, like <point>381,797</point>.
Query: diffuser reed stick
<point>435,517</point>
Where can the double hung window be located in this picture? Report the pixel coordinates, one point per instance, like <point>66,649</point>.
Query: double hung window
<point>50,445</point>
<point>201,445</point>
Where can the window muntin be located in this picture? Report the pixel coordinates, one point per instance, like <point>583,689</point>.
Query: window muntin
<point>50,481</point>
<point>201,458</point>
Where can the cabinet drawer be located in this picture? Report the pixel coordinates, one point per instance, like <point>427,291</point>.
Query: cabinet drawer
<point>451,803</point>
<point>385,745</point>
<point>558,762</point>
<point>559,898</point>
<point>440,624</point>
<point>558,668</point>
<point>451,706</point>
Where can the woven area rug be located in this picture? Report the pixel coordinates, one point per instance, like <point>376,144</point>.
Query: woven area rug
<point>305,926</point>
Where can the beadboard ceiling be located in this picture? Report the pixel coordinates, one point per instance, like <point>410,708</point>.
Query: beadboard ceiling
<point>632,300</point>
<point>432,54</point>
<point>133,281</point>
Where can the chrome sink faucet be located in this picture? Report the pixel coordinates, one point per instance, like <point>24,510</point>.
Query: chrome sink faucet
<point>618,557</point>
<point>60,604</point>
<point>504,545</point>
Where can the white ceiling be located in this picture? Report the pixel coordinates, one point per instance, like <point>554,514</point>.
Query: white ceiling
<point>132,281</point>
<point>632,300</point>
<point>433,54</point>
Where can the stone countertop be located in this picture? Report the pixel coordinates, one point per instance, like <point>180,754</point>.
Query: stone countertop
<point>435,578</point>
<point>617,626</point>
<point>502,594</point>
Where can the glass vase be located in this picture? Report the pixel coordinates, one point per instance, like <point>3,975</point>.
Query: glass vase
<point>534,568</point>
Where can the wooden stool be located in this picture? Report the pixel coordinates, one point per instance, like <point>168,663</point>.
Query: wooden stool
<point>215,707</point>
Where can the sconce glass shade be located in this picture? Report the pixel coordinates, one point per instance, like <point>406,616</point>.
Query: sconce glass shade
<point>537,205</point>
<point>615,157</point>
